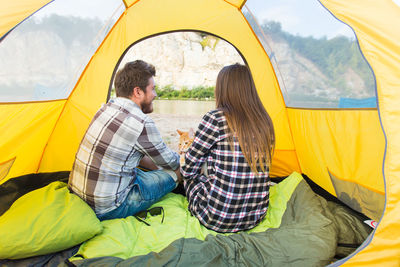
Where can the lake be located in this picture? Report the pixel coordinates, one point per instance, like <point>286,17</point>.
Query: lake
<point>170,115</point>
<point>182,107</point>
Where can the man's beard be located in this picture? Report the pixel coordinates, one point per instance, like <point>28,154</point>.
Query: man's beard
<point>147,107</point>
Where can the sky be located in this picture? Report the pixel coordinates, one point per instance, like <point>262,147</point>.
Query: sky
<point>299,17</point>
<point>102,9</point>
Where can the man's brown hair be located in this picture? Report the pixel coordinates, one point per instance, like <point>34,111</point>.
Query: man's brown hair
<point>134,74</point>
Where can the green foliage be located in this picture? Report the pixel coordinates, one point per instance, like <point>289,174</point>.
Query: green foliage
<point>198,93</point>
<point>333,56</point>
<point>208,40</point>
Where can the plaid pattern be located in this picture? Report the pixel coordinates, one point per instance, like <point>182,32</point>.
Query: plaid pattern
<point>231,198</point>
<point>118,137</point>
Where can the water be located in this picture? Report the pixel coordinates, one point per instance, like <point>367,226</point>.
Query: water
<point>171,115</point>
<point>183,107</point>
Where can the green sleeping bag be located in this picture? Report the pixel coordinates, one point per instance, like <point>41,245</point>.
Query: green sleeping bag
<point>130,237</point>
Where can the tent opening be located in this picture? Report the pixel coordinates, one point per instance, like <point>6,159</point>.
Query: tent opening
<point>187,64</point>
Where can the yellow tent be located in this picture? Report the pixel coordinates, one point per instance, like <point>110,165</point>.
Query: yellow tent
<point>356,151</point>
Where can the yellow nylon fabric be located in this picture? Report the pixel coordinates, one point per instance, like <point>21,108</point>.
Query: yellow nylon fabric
<point>128,3</point>
<point>27,127</point>
<point>151,17</point>
<point>13,12</point>
<point>24,132</point>
<point>348,143</point>
<point>5,168</point>
<point>237,3</point>
<point>284,161</point>
<point>376,25</point>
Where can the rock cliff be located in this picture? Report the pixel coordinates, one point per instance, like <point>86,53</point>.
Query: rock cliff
<point>41,63</point>
<point>185,59</point>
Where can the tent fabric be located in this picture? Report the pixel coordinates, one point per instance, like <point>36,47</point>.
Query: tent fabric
<point>345,102</point>
<point>359,198</point>
<point>5,168</point>
<point>172,15</point>
<point>13,12</point>
<point>44,136</point>
<point>25,132</point>
<point>379,42</point>
<point>344,150</point>
<point>238,3</point>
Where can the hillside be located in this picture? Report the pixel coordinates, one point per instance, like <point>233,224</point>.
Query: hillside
<point>42,57</point>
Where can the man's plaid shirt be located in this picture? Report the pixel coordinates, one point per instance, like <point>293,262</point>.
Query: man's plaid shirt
<point>118,137</point>
<point>230,198</point>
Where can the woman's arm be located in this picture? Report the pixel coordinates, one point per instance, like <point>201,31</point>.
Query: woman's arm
<point>205,137</point>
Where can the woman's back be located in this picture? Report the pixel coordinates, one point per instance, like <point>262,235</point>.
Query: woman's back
<point>236,140</point>
<point>231,197</point>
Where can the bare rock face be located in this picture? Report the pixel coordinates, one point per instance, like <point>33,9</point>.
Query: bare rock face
<point>304,84</point>
<point>299,75</point>
<point>39,64</point>
<point>190,59</point>
<point>22,63</point>
<point>185,59</point>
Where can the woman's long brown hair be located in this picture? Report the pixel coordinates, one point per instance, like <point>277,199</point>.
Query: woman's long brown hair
<point>237,97</point>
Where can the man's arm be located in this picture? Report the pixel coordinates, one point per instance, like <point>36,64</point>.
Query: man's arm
<point>151,145</point>
<point>148,164</point>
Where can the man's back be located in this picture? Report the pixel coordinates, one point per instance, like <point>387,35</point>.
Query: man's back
<point>120,137</point>
<point>105,163</point>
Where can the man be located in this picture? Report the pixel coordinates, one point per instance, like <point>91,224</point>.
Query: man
<point>120,137</point>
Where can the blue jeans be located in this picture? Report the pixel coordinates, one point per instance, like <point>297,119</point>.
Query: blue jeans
<point>147,189</point>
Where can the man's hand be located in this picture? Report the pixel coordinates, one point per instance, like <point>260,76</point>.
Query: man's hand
<point>147,163</point>
<point>179,175</point>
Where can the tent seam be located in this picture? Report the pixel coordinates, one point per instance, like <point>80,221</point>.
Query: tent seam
<point>73,91</point>
<point>5,35</point>
<point>334,109</point>
<point>50,135</point>
<point>134,3</point>
<point>227,3</point>
<point>32,102</point>
<point>368,241</point>
<point>280,91</point>
<point>348,180</point>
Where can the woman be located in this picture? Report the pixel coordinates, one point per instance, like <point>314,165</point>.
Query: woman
<point>236,141</point>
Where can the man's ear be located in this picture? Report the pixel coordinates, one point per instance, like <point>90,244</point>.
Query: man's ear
<point>137,92</point>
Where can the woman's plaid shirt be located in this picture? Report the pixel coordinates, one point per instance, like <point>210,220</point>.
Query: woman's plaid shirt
<point>231,197</point>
